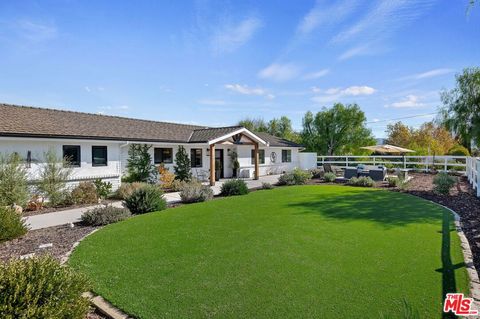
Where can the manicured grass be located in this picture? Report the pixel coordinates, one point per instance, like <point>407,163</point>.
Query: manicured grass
<point>291,252</point>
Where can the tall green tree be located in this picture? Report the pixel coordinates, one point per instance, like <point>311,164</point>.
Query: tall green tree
<point>461,107</point>
<point>182,165</point>
<point>338,130</point>
<point>140,167</point>
<point>280,127</point>
<point>254,124</point>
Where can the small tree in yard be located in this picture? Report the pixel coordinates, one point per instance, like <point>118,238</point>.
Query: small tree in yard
<point>54,173</point>
<point>140,167</point>
<point>13,181</point>
<point>182,165</point>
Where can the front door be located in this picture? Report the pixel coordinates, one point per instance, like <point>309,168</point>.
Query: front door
<point>219,164</point>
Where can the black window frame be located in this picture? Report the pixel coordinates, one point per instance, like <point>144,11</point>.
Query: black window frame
<point>261,156</point>
<point>73,163</point>
<point>102,147</point>
<point>162,160</point>
<point>286,156</point>
<point>196,161</point>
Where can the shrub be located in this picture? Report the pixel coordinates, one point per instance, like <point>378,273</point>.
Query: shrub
<point>42,288</point>
<point>85,193</point>
<point>196,192</point>
<point>443,183</point>
<point>234,187</point>
<point>178,185</point>
<point>105,215</point>
<point>295,177</point>
<point>166,177</point>
<point>13,181</point>
<point>54,172</point>
<point>102,188</point>
<point>140,167</point>
<point>364,181</point>
<point>329,177</point>
<point>267,185</point>
<point>317,172</point>
<point>148,198</point>
<point>393,181</point>
<point>182,165</point>
<point>459,150</point>
<point>11,225</point>
<point>126,189</point>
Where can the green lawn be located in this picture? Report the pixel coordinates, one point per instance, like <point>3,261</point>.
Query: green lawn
<point>291,252</point>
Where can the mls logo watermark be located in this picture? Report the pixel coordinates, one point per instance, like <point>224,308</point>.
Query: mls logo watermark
<point>459,305</point>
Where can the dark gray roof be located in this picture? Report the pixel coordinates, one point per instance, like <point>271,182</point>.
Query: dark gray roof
<point>29,121</point>
<point>208,134</point>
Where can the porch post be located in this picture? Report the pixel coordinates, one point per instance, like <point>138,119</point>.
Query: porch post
<point>256,174</point>
<point>212,165</point>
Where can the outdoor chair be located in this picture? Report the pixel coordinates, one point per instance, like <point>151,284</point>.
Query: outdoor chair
<point>377,173</point>
<point>351,172</point>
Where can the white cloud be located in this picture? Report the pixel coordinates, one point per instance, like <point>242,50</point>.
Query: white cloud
<point>384,18</point>
<point>123,109</point>
<point>87,89</point>
<point>279,72</point>
<point>316,75</point>
<point>231,37</point>
<point>410,101</point>
<point>212,102</point>
<point>355,51</point>
<point>246,90</point>
<point>323,14</point>
<point>428,74</point>
<point>34,31</point>
<point>334,94</point>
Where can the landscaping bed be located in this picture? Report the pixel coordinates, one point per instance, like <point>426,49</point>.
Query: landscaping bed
<point>62,237</point>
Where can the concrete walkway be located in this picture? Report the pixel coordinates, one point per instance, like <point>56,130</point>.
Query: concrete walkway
<point>73,215</point>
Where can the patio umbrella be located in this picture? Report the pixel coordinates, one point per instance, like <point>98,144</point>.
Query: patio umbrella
<point>387,149</point>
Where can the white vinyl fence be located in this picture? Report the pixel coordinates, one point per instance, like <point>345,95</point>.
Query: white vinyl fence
<point>473,173</point>
<point>469,166</point>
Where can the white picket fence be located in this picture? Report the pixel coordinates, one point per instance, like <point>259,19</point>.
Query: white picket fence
<point>469,166</point>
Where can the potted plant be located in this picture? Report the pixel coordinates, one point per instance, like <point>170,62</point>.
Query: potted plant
<point>235,164</point>
<point>218,169</point>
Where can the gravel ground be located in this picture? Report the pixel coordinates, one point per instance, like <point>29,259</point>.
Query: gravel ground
<point>62,238</point>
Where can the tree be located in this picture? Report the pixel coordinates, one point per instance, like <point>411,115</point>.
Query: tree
<point>13,181</point>
<point>54,173</point>
<point>461,107</point>
<point>140,167</point>
<point>252,124</point>
<point>337,130</point>
<point>182,165</point>
<point>430,138</point>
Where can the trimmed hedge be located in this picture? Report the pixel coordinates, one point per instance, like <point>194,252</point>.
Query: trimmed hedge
<point>42,288</point>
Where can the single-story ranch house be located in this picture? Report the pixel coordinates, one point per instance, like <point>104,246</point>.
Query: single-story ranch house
<point>97,145</point>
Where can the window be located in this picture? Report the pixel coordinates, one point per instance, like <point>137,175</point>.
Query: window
<point>99,156</point>
<point>261,156</point>
<point>71,153</point>
<point>286,156</point>
<point>162,155</point>
<point>196,157</point>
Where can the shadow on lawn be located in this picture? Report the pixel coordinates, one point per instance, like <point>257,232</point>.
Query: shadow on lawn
<point>449,283</point>
<point>387,208</point>
<point>390,211</point>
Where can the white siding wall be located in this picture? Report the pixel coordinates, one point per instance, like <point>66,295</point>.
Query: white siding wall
<point>86,171</point>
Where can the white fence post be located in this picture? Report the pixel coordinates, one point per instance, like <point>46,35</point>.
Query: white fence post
<point>445,166</point>
<point>477,178</point>
<point>346,161</point>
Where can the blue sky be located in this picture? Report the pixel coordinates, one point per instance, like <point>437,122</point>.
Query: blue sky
<point>215,62</point>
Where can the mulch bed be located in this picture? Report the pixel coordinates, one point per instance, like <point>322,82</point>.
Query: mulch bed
<point>46,210</point>
<point>62,237</point>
